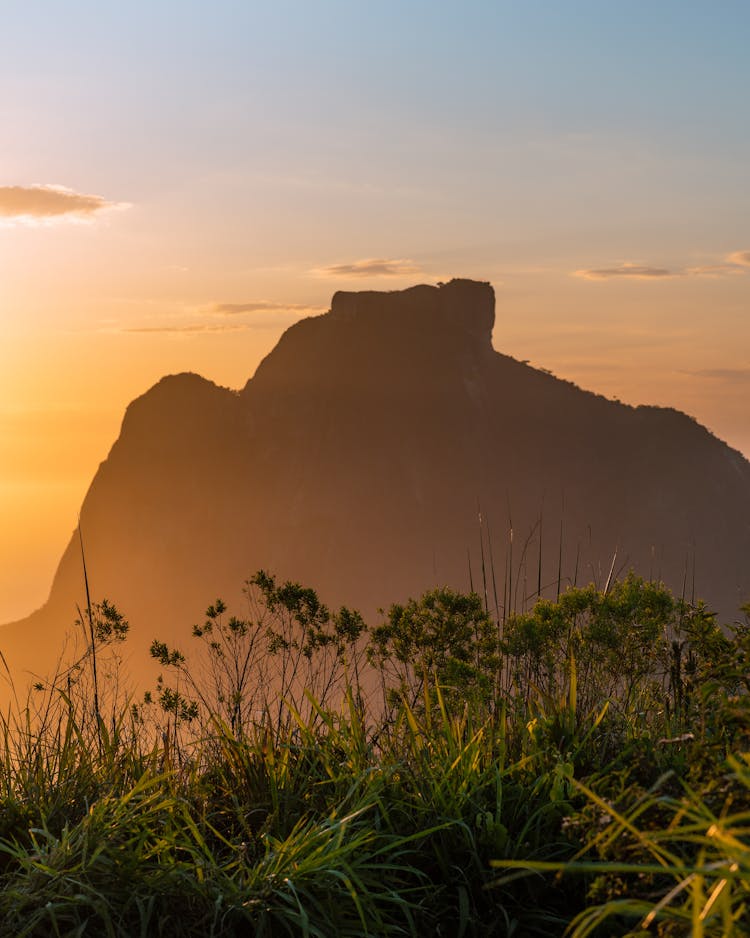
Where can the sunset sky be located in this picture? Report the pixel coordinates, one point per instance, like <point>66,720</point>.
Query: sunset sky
<point>180,181</point>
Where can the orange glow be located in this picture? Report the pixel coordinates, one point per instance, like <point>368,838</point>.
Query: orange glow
<point>74,354</point>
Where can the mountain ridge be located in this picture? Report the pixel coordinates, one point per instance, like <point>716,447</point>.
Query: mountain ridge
<point>357,456</point>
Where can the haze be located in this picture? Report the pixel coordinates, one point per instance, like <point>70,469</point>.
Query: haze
<point>179,182</point>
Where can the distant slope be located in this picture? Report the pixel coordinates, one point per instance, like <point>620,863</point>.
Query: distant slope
<point>355,460</point>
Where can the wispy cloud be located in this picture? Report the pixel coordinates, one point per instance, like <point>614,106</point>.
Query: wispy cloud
<point>227,317</point>
<point>712,270</point>
<point>735,263</point>
<point>261,306</point>
<point>732,375</point>
<point>371,267</point>
<point>189,328</point>
<point>633,271</point>
<point>741,258</point>
<point>45,203</point>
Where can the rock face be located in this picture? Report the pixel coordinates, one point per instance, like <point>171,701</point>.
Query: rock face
<point>355,461</point>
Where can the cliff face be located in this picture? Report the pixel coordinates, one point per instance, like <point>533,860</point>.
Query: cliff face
<point>355,461</point>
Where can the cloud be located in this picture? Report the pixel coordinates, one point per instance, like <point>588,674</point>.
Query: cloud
<point>634,271</point>
<point>732,375</point>
<point>236,309</point>
<point>371,267</point>
<point>190,328</point>
<point>740,258</point>
<point>238,317</point>
<point>711,270</point>
<point>43,203</point>
<point>735,263</point>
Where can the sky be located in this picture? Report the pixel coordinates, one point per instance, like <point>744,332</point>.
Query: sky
<point>180,181</point>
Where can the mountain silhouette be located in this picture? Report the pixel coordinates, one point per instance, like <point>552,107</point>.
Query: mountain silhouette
<point>384,448</point>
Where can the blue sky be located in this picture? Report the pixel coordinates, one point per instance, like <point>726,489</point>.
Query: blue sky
<point>589,159</point>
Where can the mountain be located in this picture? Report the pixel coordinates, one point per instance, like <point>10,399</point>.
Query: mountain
<point>356,460</point>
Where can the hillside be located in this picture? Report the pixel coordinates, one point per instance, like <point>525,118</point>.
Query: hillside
<point>355,460</point>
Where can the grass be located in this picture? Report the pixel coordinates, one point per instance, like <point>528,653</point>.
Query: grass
<point>433,807</point>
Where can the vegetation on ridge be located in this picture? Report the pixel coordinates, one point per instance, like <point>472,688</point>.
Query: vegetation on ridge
<point>581,768</point>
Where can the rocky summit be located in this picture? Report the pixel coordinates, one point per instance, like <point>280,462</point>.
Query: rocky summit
<point>381,449</point>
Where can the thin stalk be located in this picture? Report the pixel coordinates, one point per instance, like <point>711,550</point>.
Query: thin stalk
<point>559,561</point>
<point>481,554</point>
<point>539,565</point>
<point>692,588</point>
<point>611,571</point>
<point>492,568</point>
<point>510,555</point>
<point>93,640</point>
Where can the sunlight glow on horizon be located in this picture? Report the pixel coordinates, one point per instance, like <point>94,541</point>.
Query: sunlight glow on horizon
<point>173,197</point>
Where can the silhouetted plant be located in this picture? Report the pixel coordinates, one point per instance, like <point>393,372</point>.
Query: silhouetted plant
<point>290,647</point>
<point>615,637</point>
<point>309,650</point>
<point>95,672</point>
<point>446,638</point>
<point>290,814</point>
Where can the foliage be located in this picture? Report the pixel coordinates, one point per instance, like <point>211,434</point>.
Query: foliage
<point>292,645</point>
<point>551,782</point>
<point>689,849</point>
<point>444,638</point>
<point>613,636</point>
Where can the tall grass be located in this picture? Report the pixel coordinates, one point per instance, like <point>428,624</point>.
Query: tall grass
<point>332,827</point>
<point>449,805</point>
<point>671,864</point>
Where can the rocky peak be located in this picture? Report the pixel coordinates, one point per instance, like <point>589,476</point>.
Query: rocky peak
<point>460,306</point>
<point>383,333</point>
<point>355,460</point>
